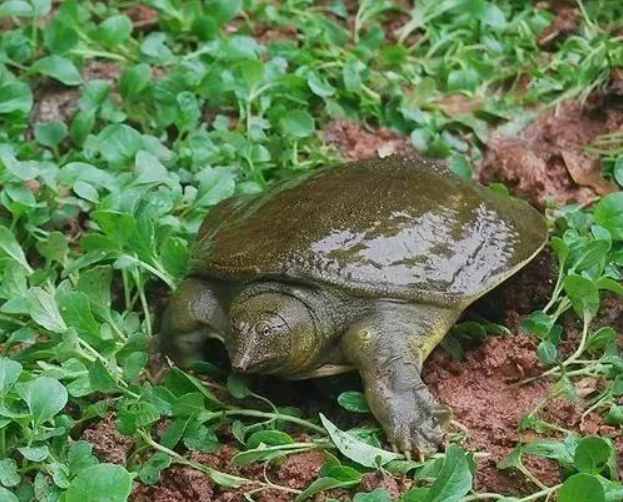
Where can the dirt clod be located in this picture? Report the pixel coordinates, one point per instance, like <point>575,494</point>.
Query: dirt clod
<point>109,445</point>
<point>547,162</point>
<point>354,142</point>
<point>177,485</point>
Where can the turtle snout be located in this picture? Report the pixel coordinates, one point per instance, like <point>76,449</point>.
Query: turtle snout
<point>249,357</point>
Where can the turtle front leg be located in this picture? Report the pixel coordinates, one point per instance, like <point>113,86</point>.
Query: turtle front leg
<point>388,348</point>
<point>196,312</point>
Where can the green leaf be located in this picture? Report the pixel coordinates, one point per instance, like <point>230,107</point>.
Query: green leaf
<point>297,124</point>
<point>252,72</point>
<point>551,449</point>
<point>601,339</point>
<point>54,248</point>
<point>583,294</point>
<point>58,36</point>
<point>237,387</point>
<point>223,10</point>
<point>35,453</point>
<point>352,76</point>
<point>114,31</point>
<point>353,401</point>
<point>95,283</point>
<point>198,437</point>
<point>7,496</point>
<point>81,126</point>
<point>609,214</point>
<point>80,457</point>
<point>323,484</point>
<point>592,454</point>
<point>455,478</point>
<point>10,247</point>
<point>9,373</point>
<point>547,352</point>
<point>150,471</point>
<point>41,7</point>
<point>215,185</point>
<point>260,454</point>
<point>100,483</point>
<point>465,79</point>
<point>15,97</point>
<point>355,449</point>
<point>175,255</point>
<point>582,488</point>
<point>50,134</point>
<point>117,226</point>
<point>174,433</point>
<point>189,112</point>
<point>268,437</point>
<point>319,86</point>
<point>43,309</point>
<point>119,143</point>
<point>9,476</point>
<point>189,405</point>
<point>615,415</point>
<point>460,165</point>
<point>134,80</point>
<point>86,191</point>
<point>46,398</point>
<point>593,253</point>
<point>76,312</point>
<point>378,495</point>
<point>101,379</point>
<point>59,68</point>
<point>15,8</point>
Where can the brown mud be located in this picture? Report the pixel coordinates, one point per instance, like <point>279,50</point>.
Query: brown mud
<point>355,142</point>
<point>109,445</point>
<point>548,161</point>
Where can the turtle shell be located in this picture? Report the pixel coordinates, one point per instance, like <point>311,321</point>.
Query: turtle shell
<point>402,227</point>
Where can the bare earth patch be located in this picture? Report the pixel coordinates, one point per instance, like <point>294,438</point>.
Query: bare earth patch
<point>109,445</point>
<point>547,161</point>
<point>354,142</point>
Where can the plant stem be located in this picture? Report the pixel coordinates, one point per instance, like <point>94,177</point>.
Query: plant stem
<point>545,492</point>
<point>571,359</point>
<point>89,53</point>
<point>262,414</point>
<point>8,318</point>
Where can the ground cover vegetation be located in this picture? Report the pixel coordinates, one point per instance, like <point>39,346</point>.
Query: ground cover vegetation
<point>122,123</point>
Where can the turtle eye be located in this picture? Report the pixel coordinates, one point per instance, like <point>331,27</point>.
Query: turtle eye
<point>263,328</point>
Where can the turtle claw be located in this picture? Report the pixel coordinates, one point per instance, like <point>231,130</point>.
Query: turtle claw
<point>394,448</point>
<point>407,455</point>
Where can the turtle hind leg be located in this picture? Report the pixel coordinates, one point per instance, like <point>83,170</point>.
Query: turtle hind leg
<point>388,347</point>
<point>195,313</point>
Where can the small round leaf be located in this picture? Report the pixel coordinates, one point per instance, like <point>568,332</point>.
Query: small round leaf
<point>297,124</point>
<point>581,488</point>
<point>100,483</point>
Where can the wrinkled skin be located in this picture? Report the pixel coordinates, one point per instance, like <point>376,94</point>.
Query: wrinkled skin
<point>316,277</point>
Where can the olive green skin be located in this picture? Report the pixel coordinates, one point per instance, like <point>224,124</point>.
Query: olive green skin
<point>364,266</point>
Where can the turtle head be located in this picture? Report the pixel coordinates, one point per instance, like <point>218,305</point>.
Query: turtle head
<point>269,333</point>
